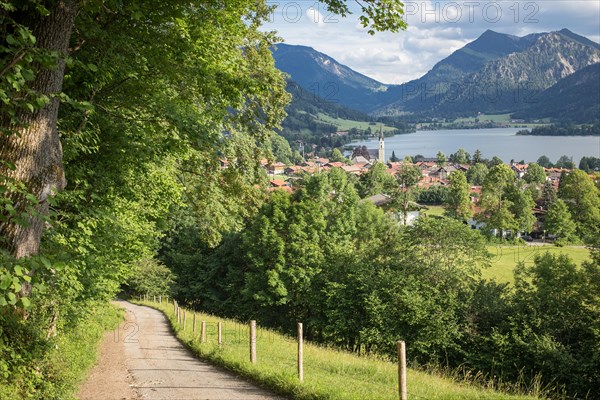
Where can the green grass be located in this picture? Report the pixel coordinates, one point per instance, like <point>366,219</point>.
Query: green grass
<point>435,210</point>
<point>505,258</point>
<point>347,124</point>
<point>77,351</point>
<point>499,118</point>
<point>62,370</point>
<point>328,373</point>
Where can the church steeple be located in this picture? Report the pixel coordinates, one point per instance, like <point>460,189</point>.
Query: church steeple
<point>381,157</point>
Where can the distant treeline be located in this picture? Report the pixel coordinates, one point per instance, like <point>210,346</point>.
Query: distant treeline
<point>555,130</point>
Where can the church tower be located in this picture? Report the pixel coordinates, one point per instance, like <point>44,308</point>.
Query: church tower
<point>381,157</point>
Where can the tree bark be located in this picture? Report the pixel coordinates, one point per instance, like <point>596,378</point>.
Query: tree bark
<point>34,146</point>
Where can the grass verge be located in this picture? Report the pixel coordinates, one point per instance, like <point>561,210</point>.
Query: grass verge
<point>60,372</point>
<point>328,373</point>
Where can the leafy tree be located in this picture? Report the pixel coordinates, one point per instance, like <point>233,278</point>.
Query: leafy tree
<point>281,150</point>
<point>559,222</point>
<point>40,48</point>
<point>549,195</point>
<point>535,174</point>
<point>565,162</point>
<point>436,194</point>
<point>544,161</point>
<point>521,206</point>
<point>477,157</point>
<point>477,173</point>
<point>582,197</point>
<point>460,157</point>
<point>151,278</point>
<point>555,317</point>
<point>376,180</point>
<point>407,178</point>
<point>361,151</point>
<point>495,200</point>
<point>393,158</point>
<point>441,159</point>
<point>459,198</point>
<point>589,164</point>
<point>494,161</point>
<point>337,156</point>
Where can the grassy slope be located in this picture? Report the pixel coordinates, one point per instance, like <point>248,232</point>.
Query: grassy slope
<point>328,374</point>
<point>505,258</point>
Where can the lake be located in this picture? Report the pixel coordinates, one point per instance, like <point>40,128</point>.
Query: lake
<point>501,142</point>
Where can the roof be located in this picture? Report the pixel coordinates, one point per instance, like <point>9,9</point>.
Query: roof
<point>278,182</point>
<point>379,199</point>
<point>360,160</point>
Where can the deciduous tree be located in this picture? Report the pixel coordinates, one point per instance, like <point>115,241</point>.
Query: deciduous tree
<point>459,198</point>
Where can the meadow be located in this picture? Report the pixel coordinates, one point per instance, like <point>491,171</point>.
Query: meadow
<point>505,258</point>
<point>328,373</point>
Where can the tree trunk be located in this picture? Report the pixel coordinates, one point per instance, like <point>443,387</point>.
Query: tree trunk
<point>34,148</point>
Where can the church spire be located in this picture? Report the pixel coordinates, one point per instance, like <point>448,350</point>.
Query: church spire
<point>381,157</point>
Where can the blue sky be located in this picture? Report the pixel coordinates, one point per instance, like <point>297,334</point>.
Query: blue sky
<point>436,29</point>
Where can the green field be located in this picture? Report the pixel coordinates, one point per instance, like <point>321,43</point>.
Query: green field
<point>434,210</point>
<point>505,258</point>
<point>499,118</point>
<point>328,373</point>
<point>347,124</point>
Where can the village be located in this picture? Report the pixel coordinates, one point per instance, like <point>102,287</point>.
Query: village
<point>434,174</point>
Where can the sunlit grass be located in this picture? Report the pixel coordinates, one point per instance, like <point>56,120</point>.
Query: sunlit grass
<point>328,373</point>
<point>434,210</point>
<point>506,258</point>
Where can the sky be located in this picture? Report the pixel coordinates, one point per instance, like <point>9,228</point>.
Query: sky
<point>435,30</point>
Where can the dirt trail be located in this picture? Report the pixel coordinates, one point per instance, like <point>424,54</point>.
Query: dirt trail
<point>143,360</point>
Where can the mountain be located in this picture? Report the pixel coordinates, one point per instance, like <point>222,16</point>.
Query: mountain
<point>324,77</point>
<point>306,106</point>
<point>497,73</point>
<point>574,99</point>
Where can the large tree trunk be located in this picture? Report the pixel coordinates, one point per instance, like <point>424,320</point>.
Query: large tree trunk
<point>34,148</point>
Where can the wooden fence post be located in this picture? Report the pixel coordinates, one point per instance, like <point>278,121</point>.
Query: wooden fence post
<point>253,342</point>
<point>194,324</point>
<point>184,318</point>
<point>203,332</point>
<point>160,299</point>
<point>401,348</point>
<point>219,330</point>
<point>300,353</point>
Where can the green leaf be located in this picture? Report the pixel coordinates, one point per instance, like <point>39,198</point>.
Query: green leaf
<point>12,298</point>
<point>5,282</point>
<point>25,302</point>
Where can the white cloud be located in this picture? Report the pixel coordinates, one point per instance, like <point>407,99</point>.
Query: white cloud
<point>407,55</point>
<point>314,16</point>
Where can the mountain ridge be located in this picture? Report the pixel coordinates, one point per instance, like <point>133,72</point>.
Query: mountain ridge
<point>512,70</point>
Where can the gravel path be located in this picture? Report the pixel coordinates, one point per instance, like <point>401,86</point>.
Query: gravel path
<point>143,360</point>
